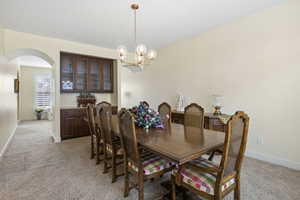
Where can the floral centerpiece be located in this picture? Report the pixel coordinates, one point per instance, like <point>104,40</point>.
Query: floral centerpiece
<point>146,117</point>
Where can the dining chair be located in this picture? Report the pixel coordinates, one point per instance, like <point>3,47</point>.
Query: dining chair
<point>100,105</point>
<point>93,129</point>
<point>112,144</point>
<point>145,103</point>
<point>194,116</point>
<point>98,141</point>
<point>211,180</point>
<point>164,110</point>
<point>138,161</point>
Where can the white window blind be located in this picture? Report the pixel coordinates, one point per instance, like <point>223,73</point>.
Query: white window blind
<point>43,92</point>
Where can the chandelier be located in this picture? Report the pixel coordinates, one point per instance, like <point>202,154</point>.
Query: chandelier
<point>142,57</point>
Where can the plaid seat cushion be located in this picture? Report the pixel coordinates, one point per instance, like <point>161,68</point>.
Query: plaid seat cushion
<point>202,162</point>
<point>120,151</point>
<point>201,181</point>
<point>153,165</point>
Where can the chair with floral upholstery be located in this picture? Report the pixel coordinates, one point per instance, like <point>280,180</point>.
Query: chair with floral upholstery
<point>214,181</point>
<point>138,161</point>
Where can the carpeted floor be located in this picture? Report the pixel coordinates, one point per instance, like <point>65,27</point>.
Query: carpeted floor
<point>34,168</point>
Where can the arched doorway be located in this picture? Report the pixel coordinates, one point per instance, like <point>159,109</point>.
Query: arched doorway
<point>17,56</point>
<point>32,52</point>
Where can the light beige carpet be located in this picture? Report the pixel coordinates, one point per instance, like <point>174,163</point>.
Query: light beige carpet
<point>34,168</point>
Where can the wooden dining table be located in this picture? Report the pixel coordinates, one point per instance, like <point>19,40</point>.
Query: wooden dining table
<point>176,142</point>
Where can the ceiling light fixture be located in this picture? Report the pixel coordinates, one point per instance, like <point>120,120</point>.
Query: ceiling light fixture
<point>142,57</point>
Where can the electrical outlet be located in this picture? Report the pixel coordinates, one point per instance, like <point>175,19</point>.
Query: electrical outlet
<point>260,140</point>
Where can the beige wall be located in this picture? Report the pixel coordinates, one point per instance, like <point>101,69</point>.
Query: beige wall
<point>27,90</point>
<point>8,99</point>
<point>1,41</point>
<point>254,62</point>
<point>16,40</point>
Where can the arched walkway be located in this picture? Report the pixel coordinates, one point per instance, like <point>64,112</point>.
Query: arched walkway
<point>29,52</point>
<point>17,53</point>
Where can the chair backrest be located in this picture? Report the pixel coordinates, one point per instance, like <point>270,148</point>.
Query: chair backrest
<point>100,105</point>
<point>128,137</point>
<point>194,116</point>
<point>145,103</point>
<point>90,110</point>
<point>105,115</point>
<point>235,144</point>
<point>164,110</point>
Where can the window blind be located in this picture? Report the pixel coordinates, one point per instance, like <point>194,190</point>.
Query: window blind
<point>43,92</point>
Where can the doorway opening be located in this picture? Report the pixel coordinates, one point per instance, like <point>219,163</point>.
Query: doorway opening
<point>36,87</point>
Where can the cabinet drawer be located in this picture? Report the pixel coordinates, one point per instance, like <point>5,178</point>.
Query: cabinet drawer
<point>217,125</point>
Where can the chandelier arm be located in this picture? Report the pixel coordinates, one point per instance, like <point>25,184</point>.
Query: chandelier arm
<point>129,63</point>
<point>147,62</point>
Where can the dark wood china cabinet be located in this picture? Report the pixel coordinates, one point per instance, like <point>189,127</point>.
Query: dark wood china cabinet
<point>81,73</point>
<point>73,122</point>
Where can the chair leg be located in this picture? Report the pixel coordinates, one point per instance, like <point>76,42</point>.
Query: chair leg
<point>105,168</point>
<point>218,196</point>
<point>173,188</point>
<point>101,149</point>
<point>141,187</point>
<point>184,196</point>
<point>237,193</point>
<point>114,167</point>
<point>92,147</point>
<point>126,180</point>
<point>98,151</point>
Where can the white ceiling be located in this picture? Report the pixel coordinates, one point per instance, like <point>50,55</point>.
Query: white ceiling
<point>109,23</point>
<point>32,61</point>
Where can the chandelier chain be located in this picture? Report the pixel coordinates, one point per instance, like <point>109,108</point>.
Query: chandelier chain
<point>135,27</point>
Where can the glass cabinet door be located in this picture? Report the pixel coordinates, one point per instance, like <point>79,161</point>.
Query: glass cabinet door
<point>81,73</point>
<point>94,82</point>
<point>107,77</point>
<point>67,73</point>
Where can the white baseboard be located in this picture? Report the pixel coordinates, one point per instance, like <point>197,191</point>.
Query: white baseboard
<point>274,160</point>
<point>5,147</point>
<point>56,140</point>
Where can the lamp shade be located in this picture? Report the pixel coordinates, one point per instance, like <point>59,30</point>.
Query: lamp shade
<point>217,100</point>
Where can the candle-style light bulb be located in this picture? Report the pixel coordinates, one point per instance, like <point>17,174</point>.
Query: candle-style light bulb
<point>141,50</point>
<point>122,51</point>
<point>152,54</point>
